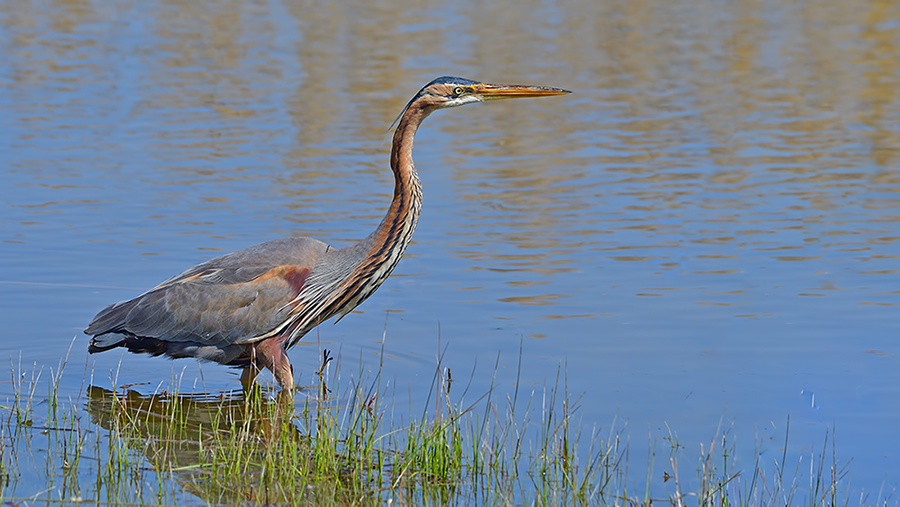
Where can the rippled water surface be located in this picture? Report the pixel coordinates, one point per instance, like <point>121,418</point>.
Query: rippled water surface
<point>705,233</point>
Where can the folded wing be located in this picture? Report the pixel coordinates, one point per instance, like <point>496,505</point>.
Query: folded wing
<point>230,300</point>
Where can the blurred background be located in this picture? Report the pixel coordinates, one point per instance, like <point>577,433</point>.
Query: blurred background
<point>702,237</point>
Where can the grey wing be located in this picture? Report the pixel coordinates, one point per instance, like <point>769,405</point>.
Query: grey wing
<point>231,299</point>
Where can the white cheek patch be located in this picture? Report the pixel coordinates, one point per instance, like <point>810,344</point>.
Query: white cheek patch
<point>465,99</point>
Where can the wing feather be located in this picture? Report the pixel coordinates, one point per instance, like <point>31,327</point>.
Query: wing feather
<point>228,300</point>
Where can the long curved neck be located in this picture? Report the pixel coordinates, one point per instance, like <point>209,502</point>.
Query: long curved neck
<point>400,221</point>
<point>380,252</point>
<point>348,276</point>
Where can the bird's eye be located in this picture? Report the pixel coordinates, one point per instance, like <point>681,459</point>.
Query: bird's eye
<point>457,91</point>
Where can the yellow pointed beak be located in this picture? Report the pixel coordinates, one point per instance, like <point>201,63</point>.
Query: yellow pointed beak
<point>499,91</point>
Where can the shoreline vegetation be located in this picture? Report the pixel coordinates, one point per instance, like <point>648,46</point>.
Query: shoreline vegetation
<point>343,442</point>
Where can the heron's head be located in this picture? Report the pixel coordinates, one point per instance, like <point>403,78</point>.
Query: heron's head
<point>449,91</point>
<point>455,91</point>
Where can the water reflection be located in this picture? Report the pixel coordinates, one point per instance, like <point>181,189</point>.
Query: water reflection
<point>218,447</point>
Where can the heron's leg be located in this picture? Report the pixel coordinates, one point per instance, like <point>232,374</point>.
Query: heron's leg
<point>248,375</point>
<point>271,354</point>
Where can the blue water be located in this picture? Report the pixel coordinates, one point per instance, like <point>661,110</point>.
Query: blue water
<point>704,235</point>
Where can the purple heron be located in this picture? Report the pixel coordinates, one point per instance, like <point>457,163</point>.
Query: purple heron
<point>247,308</point>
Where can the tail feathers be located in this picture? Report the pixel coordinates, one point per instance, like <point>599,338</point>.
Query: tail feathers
<point>231,355</point>
<point>106,341</point>
<point>110,318</point>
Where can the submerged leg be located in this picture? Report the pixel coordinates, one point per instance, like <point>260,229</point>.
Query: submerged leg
<point>270,354</point>
<point>248,375</point>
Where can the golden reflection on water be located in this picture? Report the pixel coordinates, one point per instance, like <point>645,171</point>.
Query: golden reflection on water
<point>697,131</point>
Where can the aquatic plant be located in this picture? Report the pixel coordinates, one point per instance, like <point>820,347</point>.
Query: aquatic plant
<point>341,442</point>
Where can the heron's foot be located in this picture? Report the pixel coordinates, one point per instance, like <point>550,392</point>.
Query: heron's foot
<point>285,398</point>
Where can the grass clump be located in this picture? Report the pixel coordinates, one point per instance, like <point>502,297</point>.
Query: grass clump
<point>338,443</point>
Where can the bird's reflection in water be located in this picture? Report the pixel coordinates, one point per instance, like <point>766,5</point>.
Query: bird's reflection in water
<point>226,448</point>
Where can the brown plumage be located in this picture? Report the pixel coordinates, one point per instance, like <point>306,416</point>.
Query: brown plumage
<point>245,309</point>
